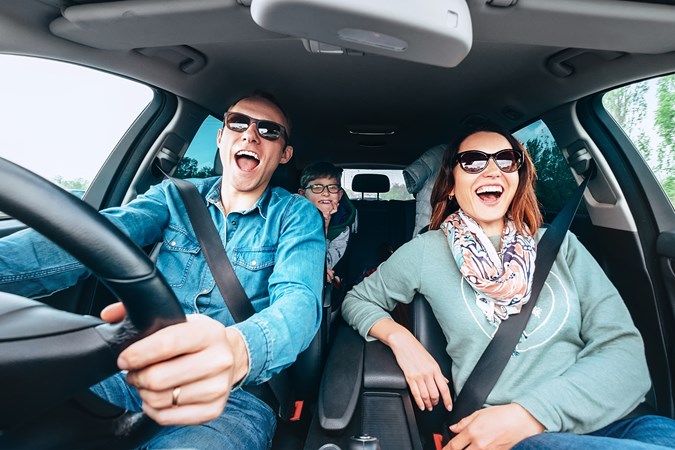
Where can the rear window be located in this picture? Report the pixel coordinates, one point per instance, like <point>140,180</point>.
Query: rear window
<point>397,189</point>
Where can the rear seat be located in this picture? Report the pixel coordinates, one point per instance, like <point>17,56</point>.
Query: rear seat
<point>383,226</point>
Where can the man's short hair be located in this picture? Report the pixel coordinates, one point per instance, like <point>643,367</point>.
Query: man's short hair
<point>264,95</point>
<point>321,169</point>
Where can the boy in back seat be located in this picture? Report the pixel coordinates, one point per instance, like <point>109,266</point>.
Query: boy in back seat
<point>320,184</point>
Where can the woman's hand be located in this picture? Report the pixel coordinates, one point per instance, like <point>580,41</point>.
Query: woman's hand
<point>427,384</point>
<point>184,372</point>
<point>495,427</point>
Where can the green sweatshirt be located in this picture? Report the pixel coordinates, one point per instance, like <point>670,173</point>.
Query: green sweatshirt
<point>581,363</point>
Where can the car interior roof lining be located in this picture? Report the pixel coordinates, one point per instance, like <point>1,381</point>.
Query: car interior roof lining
<point>600,24</point>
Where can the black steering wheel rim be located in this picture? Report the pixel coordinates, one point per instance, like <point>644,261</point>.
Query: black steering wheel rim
<point>119,263</point>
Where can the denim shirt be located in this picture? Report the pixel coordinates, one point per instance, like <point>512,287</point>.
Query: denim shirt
<point>277,250</point>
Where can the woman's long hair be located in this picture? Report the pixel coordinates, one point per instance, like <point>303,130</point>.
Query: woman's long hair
<point>524,208</point>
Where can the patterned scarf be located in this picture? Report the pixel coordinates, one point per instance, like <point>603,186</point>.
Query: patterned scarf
<point>502,281</point>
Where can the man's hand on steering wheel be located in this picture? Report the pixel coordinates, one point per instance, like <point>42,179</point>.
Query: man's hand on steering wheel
<point>171,395</point>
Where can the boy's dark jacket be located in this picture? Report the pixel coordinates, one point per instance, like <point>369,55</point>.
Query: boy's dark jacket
<point>344,217</point>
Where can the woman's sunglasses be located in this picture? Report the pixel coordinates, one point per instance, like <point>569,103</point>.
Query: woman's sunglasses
<point>475,161</point>
<point>267,129</point>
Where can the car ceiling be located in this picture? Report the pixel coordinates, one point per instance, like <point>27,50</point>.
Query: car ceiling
<point>510,74</point>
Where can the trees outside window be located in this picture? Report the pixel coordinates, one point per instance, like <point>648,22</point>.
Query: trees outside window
<point>646,113</point>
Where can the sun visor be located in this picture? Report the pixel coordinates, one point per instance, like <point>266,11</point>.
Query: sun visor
<point>436,32</point>
<point>124,25</point>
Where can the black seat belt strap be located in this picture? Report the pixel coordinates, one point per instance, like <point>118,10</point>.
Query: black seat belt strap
<point>498,352</point>
<point>209,240</point>
<point>228,284</point>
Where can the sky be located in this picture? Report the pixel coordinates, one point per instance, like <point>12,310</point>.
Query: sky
<point>203,145</point>
<point>47,128</point>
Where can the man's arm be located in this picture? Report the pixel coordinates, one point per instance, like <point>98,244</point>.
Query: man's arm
<point>285,328</point>
<point>33,266</point>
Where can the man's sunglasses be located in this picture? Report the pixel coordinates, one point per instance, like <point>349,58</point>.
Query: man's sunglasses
<point>267,129</point>
<point>319,188</point>
<point>475,161</point>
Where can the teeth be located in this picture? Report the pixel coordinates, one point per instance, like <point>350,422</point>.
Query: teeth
<point>247,153</point>
<point>490,189</point>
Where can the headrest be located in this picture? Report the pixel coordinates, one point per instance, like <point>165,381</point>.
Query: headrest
<point>370,182</point>
<point>285,176</point>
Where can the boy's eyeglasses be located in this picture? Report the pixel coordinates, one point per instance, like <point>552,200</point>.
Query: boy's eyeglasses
<point>267,129</point>
<point>319,188</point>
<point>475,161</point>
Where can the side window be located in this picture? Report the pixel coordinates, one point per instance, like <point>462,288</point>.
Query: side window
<point>200,155</point>
<point>397,189</point>
<point>555,183</point>
<point>646,112</point>
<point>62,120</point>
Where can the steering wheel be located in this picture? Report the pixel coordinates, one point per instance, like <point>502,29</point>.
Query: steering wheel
<point>48,357</point>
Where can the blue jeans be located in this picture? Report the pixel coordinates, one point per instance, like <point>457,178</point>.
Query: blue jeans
<point>641,433</point>
<point>246,422</point>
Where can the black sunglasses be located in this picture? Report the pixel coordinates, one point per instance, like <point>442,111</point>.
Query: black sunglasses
<point>475,161</point>
<point>319,188</point>
<point>267,129</point>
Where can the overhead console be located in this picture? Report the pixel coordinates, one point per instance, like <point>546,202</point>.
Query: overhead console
<point>436,32</point>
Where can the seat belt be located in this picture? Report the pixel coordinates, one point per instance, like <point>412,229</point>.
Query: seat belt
<point>498,352</point>
<point>228,284</point>
<point>209,240</point>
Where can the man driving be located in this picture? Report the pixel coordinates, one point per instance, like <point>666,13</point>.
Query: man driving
<point>188,376</point>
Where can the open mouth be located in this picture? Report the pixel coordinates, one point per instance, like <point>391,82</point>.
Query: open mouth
<point>490,194</point>
<point>246,160</point>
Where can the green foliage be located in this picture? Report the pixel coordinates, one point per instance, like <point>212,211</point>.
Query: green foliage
<point>628,106</point>
<point>655,140</point>
<point>397,191</point>
<point>189,168</point>
<point>555,183</point>
<point>79,183</point>
<point>665,124</point>
<point>669,187</point>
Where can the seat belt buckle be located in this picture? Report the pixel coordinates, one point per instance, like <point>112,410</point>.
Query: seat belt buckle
<point>445,436</point>
<point>438,441</point>
<point>297,411</point>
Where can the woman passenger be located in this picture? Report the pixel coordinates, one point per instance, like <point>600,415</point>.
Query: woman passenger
<point>579,367</point>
